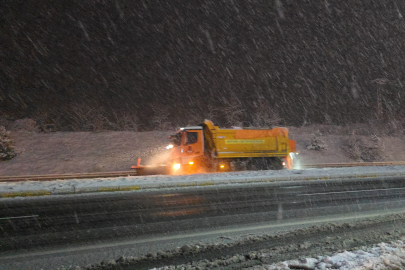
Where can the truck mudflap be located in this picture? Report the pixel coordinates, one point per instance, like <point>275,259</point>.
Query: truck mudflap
<point>291,161</point>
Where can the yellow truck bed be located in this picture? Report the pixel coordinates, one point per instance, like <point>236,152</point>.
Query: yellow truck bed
<point>234,143</point>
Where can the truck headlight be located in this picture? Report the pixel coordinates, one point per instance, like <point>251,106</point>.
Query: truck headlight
<point>176,166</point>
<point>169,146</point>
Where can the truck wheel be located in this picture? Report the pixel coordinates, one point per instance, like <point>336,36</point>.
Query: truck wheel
<point>275,164</point>
<point>257,164</point>
<point>262,164</point>
<point>250,166</point>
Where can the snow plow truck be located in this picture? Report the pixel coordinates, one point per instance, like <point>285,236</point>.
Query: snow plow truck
<point>208,148</point>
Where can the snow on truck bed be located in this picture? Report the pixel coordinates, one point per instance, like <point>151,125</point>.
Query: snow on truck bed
<point>73,186</point>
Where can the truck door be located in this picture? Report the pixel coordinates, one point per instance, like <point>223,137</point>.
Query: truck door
<point>193,142</point>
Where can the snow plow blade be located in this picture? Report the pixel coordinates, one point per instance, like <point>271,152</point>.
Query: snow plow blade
<point>151,170</point>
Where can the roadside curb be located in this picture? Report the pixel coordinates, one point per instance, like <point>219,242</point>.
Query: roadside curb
<point>210,181</point>
<point>26,194</point>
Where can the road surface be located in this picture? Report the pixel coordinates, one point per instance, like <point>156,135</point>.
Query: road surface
<point>149,219</point>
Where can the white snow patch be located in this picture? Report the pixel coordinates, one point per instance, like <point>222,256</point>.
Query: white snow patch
<point>377,257</point>
<point>167,181</point>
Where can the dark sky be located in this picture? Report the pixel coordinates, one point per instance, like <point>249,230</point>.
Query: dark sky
<point>68,63</point>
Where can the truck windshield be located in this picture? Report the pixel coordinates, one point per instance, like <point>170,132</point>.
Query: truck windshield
<point>176,139</point>
<point>192,137</point>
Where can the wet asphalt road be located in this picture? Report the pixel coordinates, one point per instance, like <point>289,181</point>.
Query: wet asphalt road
<point>60,221</point>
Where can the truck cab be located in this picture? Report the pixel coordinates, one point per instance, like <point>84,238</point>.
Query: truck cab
<point>188,150</point>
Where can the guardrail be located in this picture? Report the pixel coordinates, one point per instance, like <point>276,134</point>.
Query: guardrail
<point>51,177</point>
<point>354,164</point>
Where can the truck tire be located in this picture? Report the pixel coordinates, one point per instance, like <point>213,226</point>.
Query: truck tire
<point>258,164</point>
<point>275,163</point>
<point>250,165</point>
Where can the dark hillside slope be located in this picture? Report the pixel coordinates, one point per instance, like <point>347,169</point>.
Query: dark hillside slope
<point>87,65</point>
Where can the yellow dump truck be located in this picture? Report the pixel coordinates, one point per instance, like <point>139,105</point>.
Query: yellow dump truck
<point>207,148</point>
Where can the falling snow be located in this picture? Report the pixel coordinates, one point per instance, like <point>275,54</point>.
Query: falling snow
<point>84,66</point>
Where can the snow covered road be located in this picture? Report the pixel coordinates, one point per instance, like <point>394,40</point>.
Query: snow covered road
<point>358,191</point>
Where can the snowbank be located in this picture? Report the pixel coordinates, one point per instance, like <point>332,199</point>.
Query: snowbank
<point>76,186</point>
<point>378,257</point>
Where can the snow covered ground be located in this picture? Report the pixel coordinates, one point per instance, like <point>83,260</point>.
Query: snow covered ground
<point>382,256</point>
<point>84,152</point>
<point>378,257</point>
<point>75,186</point>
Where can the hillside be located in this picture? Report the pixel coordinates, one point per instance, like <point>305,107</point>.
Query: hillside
<point>144,65</point>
